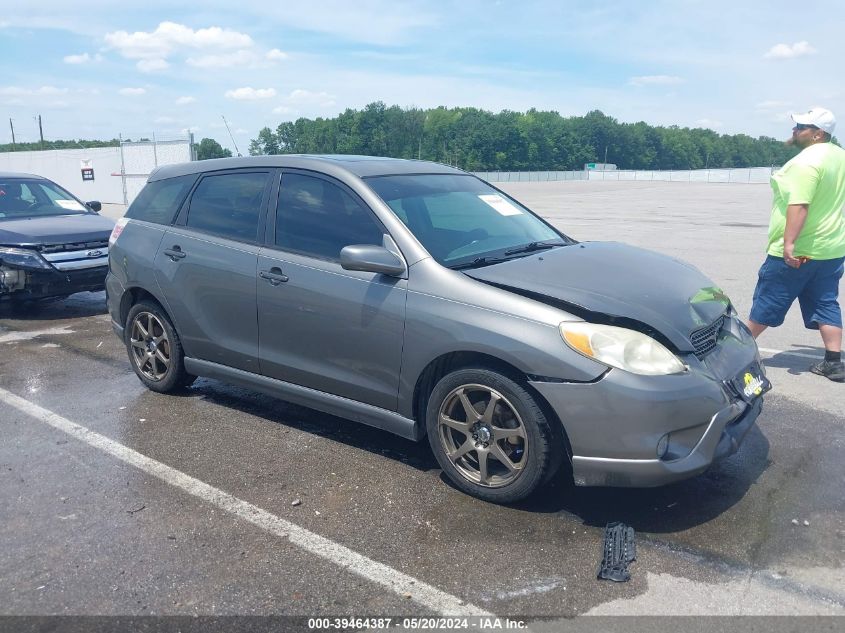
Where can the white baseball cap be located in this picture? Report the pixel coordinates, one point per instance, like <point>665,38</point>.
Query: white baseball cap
<point>820,117</point>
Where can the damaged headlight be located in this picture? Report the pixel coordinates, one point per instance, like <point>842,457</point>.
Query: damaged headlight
<point>22,258</point>
<point>621,348</point>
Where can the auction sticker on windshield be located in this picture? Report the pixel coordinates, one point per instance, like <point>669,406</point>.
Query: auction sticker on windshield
<point>500,204</point>
<point>72,205</point>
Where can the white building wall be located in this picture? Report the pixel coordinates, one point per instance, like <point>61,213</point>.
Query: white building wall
<point>64,166</point>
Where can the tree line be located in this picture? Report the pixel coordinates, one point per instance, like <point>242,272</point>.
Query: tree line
<point>35,146</point>
<point>478,140</point>
<point>206,148</point>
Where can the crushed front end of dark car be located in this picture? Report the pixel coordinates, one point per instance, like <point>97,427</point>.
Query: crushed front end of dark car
<point>51,244</point>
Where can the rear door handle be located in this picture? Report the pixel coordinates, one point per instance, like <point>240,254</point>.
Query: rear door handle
<point>175,253</point>
<point>274,276</point>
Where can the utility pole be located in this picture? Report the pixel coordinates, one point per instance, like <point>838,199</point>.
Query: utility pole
<point>12,125</point>
<point>605,158</point>
<point>40,132</point>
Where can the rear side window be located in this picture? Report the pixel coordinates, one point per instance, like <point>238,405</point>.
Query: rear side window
<point>160,200</point>
<point>228,205</point>
<point>316,217</point>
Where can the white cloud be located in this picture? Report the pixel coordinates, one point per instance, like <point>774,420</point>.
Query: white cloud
<point>43,91</point>
<point>84,58</point>
<point>785,51</point>
<point>276,55</point>
<point>132,92</point>
<point>165,119</point>
<point>169,36</point>
<point>655,80</point>
<point>185,100</point>
<point>238,58</point>
<point>306,97</point>
<point>282,110</point>
<point>152,65</point>
<point>251,94</point>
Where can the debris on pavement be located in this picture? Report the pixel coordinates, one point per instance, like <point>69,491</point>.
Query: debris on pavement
<point>618,551</point>
<point>296,502</point>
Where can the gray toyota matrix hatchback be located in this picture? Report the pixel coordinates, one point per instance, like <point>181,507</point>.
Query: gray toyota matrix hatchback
<point>419,299</point>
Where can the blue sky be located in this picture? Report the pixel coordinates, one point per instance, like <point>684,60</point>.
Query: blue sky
<point>98,69</point>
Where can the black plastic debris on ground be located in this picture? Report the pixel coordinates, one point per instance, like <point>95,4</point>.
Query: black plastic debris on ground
<point>618,552</point>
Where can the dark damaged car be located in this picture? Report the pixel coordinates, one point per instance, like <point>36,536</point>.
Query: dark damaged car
<point>51,243</point>
<point>419,299</point>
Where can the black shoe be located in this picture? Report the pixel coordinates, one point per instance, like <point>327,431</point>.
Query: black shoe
<point>832,369</point>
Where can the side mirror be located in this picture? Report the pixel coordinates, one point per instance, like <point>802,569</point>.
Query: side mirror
<point>371,259</point>
<point>94,205</point>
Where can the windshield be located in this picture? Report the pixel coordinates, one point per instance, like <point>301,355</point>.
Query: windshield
<point>21,198</point>
<point>462,221</point>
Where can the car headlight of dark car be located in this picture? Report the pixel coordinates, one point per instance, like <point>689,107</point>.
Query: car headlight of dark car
<point>621,348</point>
<point>22,258</point>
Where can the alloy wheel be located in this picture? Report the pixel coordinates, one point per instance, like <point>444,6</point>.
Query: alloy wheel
<point>150,346</point>
<point>483,435</point>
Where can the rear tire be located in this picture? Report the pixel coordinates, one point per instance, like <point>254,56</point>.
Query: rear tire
<point>154,349</point>
<point>489,435</point>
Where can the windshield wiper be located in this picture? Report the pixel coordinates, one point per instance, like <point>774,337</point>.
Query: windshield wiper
<point>478,262</point>
<point>533,246</point>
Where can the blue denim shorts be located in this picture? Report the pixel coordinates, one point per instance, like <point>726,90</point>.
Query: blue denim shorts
<point>815,284</point>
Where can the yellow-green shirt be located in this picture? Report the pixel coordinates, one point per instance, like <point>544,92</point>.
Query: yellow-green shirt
<point>815,177</point>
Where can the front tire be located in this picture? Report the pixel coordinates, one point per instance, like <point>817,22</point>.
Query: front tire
<point>489,435</point>
<point>154,349</point>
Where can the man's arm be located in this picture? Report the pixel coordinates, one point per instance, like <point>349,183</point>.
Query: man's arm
<point>796,215</point>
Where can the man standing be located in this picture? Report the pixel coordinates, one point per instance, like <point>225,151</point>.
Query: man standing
<point>807,240</point>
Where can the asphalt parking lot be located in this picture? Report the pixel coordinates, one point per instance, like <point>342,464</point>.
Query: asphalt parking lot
<point>119,501</point>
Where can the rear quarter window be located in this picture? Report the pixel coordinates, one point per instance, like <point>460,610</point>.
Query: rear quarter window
<point>159,201</point>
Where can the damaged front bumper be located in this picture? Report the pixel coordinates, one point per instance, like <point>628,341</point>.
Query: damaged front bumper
<point>53,270</point>
<point>722,438</point>
<point>628,430</point>
<point>22,284</point>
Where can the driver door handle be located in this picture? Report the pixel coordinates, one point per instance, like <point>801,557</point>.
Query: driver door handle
<point>274,276</point>
<point>174,253</point>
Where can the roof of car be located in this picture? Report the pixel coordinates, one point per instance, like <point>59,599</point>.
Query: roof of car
<point>14,174</point>
<point>334,164</point>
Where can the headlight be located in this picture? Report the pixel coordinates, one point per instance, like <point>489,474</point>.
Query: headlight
<point>22,257</point>
<point>621,348</point>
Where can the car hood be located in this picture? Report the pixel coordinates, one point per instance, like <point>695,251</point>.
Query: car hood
<point>55,229</point>
<point>596,280</point>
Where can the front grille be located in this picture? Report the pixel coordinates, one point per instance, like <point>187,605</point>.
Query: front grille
<point>74,246</point>
<point>77,255</point>
<point>704,339</point>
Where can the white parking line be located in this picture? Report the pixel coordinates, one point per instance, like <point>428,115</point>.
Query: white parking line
<point>766,350</point>
<point>379,573</point>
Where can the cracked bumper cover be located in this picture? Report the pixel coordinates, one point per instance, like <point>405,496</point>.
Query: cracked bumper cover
<point>722,438</point>
<point>41,284</point>
<point>615,424</point>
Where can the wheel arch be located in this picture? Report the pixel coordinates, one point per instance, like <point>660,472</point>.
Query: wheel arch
<point>135,295</point>
<point>453,361</point>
